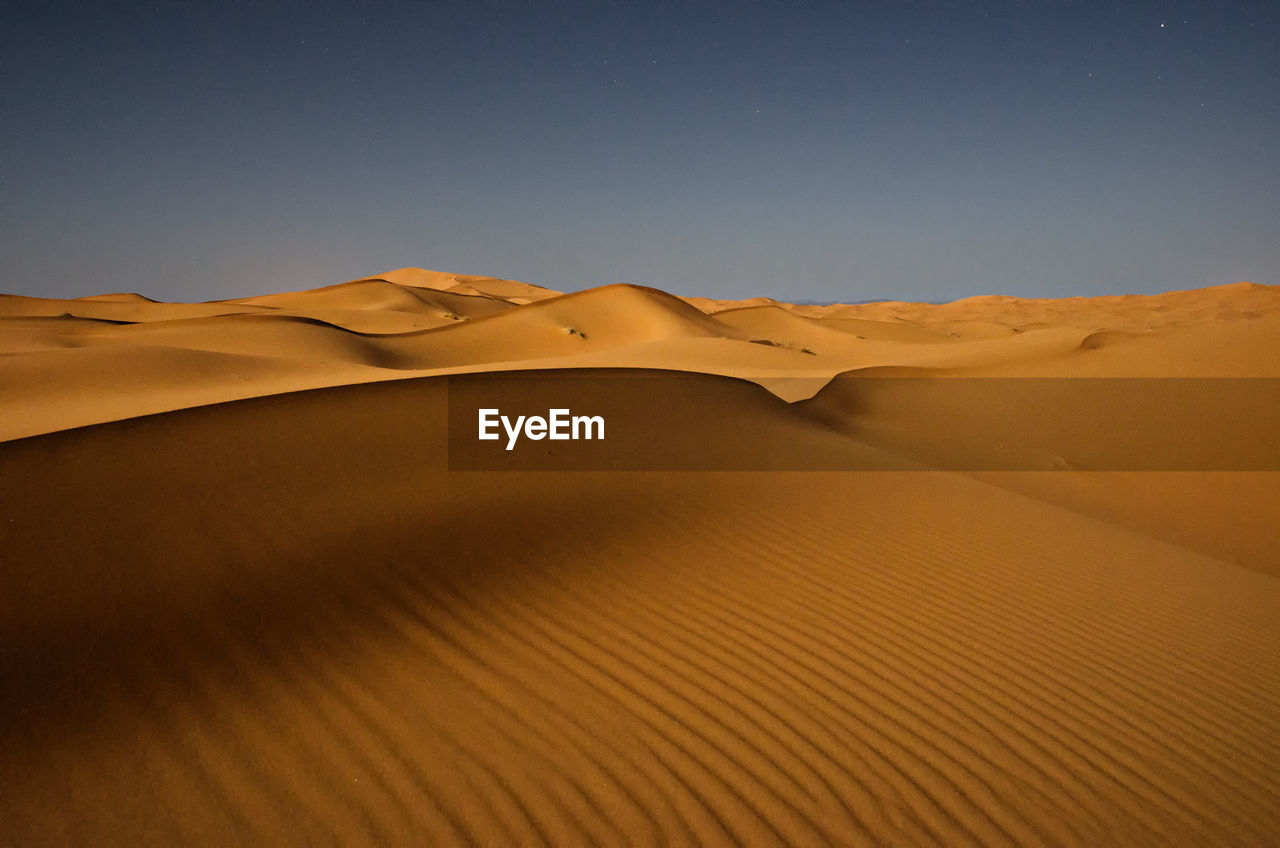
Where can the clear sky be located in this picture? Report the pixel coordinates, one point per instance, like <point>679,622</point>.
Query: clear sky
<point>804,150</point>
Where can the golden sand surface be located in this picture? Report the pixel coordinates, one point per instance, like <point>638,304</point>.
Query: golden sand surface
<point>247,602</point>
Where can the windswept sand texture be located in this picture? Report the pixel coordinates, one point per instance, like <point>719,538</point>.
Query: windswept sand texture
<point>247,603</point>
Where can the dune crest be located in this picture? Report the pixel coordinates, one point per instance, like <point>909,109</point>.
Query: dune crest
<point>793,349</point>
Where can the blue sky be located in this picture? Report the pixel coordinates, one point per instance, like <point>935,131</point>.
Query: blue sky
<point>804,150</point>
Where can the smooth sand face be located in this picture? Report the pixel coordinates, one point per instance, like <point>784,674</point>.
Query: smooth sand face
<point>246,602</point>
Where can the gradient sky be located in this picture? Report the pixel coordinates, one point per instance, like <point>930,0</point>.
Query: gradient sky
<point>804,150</point>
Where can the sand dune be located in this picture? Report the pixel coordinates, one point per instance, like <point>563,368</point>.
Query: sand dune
<point>124,309</point>
<point>376,329</point>
<point>250,603</point>
<point>511,291</point>
<point>358,305</point>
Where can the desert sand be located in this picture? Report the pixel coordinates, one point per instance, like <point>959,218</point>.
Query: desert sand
<point>247,602</point>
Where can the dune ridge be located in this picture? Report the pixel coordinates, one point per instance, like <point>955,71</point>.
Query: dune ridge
<point>414,322</point>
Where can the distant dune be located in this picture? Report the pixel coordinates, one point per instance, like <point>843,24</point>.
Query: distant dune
<point>248,602</point>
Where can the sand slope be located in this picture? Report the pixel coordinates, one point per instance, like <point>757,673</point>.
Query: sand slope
<point>269,616</point>
<point>344,649</point>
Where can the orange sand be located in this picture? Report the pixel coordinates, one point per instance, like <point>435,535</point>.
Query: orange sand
<point>247,603</point>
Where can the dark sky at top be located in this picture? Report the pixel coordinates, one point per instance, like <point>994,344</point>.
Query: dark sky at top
<point>821,150</point>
